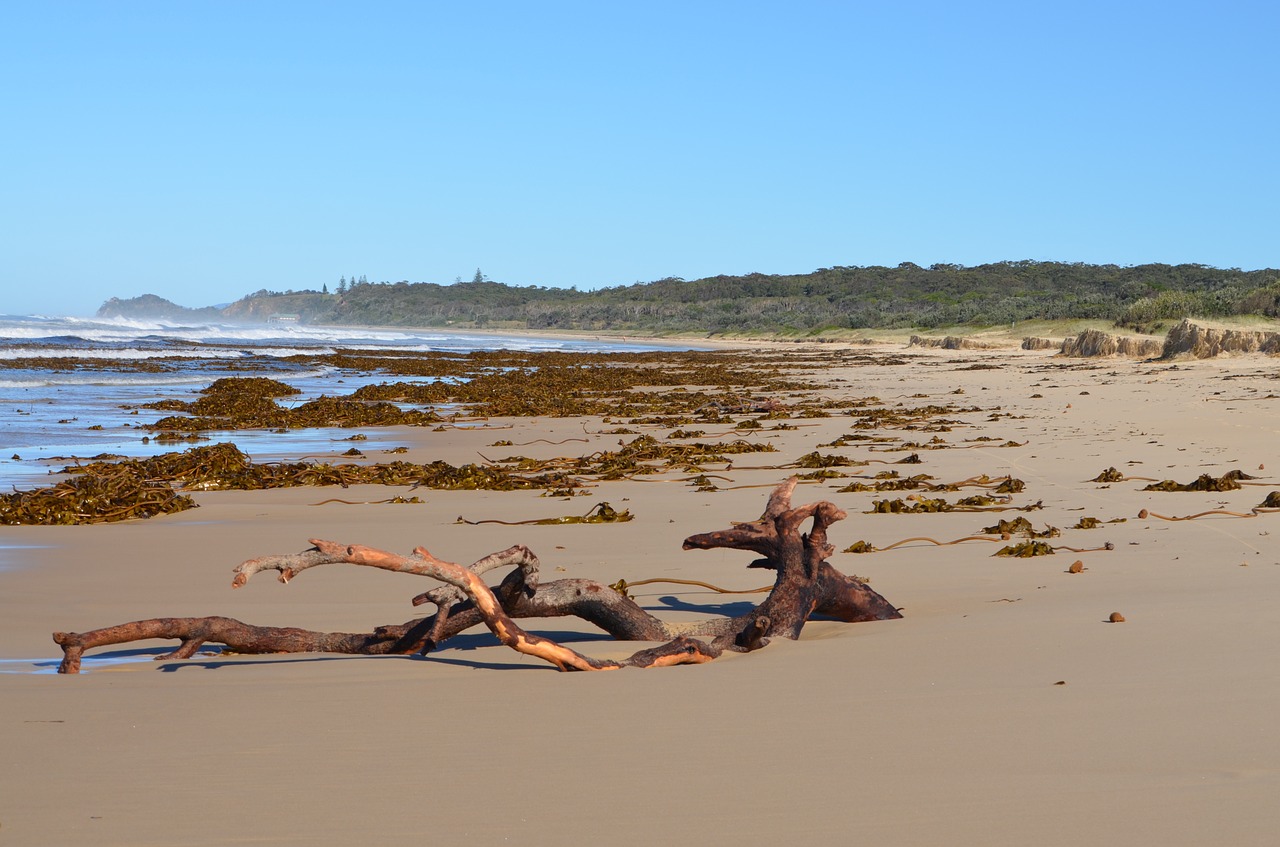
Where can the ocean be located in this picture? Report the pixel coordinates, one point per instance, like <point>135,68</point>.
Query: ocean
<point>64,381</point>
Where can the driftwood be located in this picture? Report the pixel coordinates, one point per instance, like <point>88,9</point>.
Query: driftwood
<point>804,585</point>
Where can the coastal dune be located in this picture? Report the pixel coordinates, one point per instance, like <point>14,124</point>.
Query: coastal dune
<point>1004,708</point>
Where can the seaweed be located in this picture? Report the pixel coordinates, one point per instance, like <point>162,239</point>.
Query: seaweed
<point>229,411</point>
<point>889,484</point>
<point>1021,526</point>
<point>1026,549</point>
<point>505,383</point>
<point>1011,486</point>
<point>916,505</point>
<point>600,513</point>
<point>1204,482</point>
<point>92,499</point>
<point>818,460</point>
<point>824,473</point>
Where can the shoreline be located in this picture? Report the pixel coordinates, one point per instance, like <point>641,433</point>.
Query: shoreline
<point>948,725</point>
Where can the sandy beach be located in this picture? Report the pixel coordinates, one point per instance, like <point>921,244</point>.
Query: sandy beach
<point>1003,709</point>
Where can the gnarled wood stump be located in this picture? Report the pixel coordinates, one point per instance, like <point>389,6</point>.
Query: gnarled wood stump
<point>805,584</point>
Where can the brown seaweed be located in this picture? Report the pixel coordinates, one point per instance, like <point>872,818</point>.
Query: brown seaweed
<point>1026,549</point>
<point>1204,482</point>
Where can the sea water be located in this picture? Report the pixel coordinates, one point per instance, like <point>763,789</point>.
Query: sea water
<point>69,409</point>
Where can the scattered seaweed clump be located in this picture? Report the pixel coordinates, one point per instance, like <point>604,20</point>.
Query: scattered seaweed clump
<point>647,455</point>
<point>93,499</point>
<point>831,460</point>
<point>263,413</point>
<point>890,483</point>
<point>558,384</point>
<point>600,513</point>
<point>1109,475</point>
<point>1020,526</point>
<point>1204,482</point>
<point>823,473</point>
<point>977,503</point>
<point>235,403</point>
<point>1026,550</point>
<point>258,386</point>
<point>222,467</point>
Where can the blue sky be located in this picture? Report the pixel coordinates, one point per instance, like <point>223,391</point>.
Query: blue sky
<point>202,151</point>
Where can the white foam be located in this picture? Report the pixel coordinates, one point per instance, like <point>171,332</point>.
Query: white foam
<point>56,380</point>
<point>121,354</point>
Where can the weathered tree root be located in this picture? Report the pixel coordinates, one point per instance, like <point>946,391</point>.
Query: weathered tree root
<point>804,585</point>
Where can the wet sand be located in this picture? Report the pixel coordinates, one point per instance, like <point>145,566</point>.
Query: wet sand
<point>946,727</point>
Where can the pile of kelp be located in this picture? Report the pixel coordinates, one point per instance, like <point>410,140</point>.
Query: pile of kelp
<point>668,388</point>
<point>1020,526</point>
<point>249,403</point>
<point>567,391</point>
<point>520,384</point>
<point>924,505</point>
<point>641,456</point>
<point>98,498</point>
<point>497,384</point>
<point>224,467</point>
<point>1229,481</point>
<point>140,488</point>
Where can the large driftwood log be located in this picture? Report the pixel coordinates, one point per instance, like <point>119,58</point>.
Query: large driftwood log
<point>805,585</point>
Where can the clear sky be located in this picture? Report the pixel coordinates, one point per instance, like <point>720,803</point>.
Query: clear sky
<point>204,150</point>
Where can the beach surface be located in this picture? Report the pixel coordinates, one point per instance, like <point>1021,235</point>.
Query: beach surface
<point>1003,709</point>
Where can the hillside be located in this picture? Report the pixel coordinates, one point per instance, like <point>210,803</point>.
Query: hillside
<point>149,306</point>
<point>906,296</point>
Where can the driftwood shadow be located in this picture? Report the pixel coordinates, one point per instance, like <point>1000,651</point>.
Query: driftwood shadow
<point>214,664</point>
<point>728,610</point>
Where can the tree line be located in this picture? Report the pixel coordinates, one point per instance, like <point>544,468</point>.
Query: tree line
<point>906,296</point>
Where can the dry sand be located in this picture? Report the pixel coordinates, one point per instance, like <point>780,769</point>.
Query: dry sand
<point>946,727</point>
